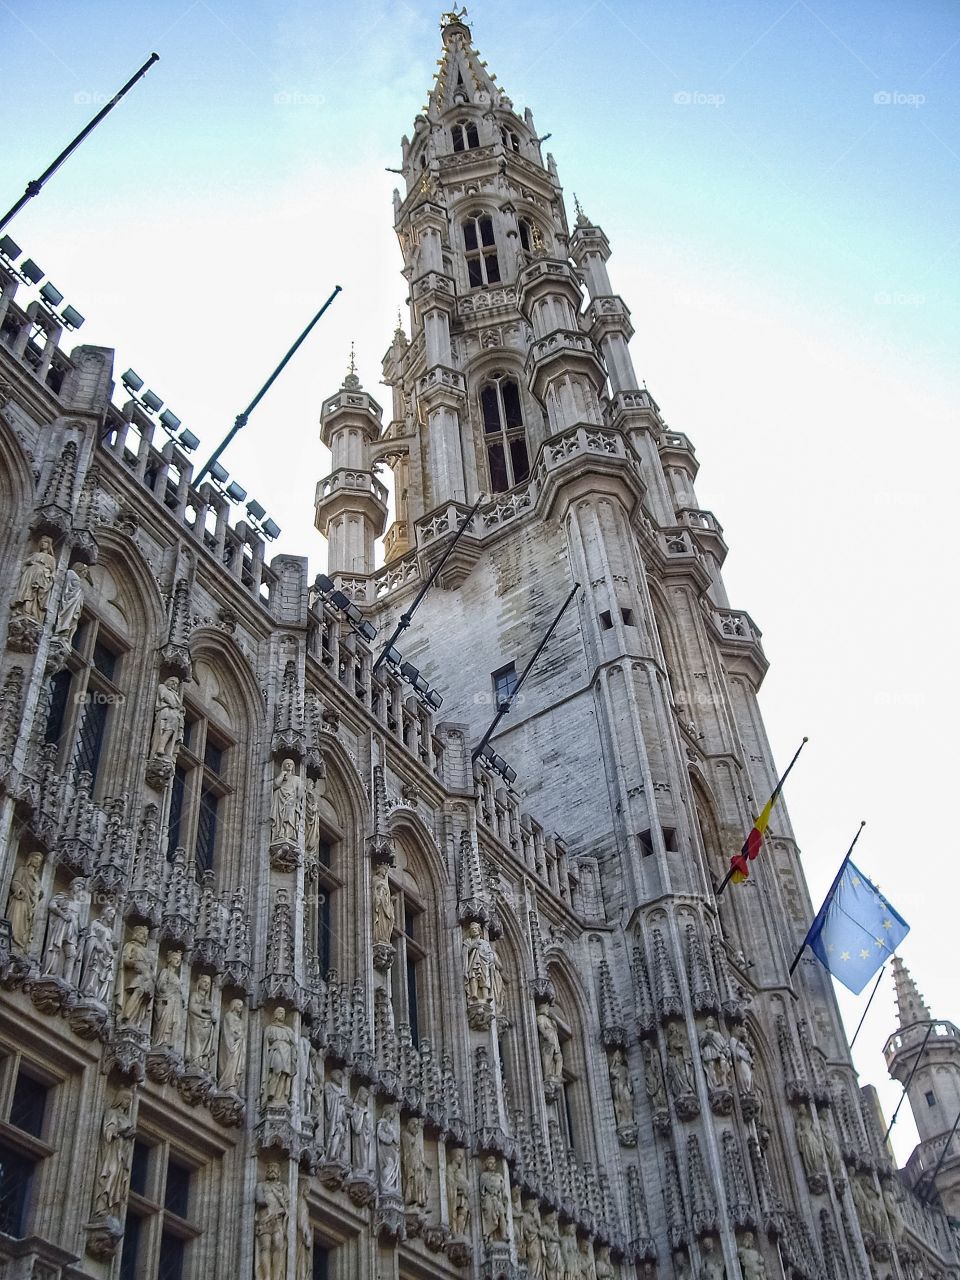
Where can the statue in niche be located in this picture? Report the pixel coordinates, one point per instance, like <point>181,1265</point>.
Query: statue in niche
<point>716,1056</point>
<point>742,1062</point>
<point>531,1231</point>
<point>116,1150</point>
<point>832,1152</point>
<point>311,819</point>
<point>679,1062</point>
<point>588,1262</point>
<point>516,1197</point>
<point>137,977</point>
<point>388,1150</point>
<point>279,1060</point>
<point>232,1056</point>
<point>335,1118</point>
<point>26,892</point>
<point>287,806</point>
<point>493,1201</point>
<point>384,912</point>
<point>681,1265</point>
<point>604,1267</point>
<point>168,1011</point>
<point>552,1263</point>
<point>61,954</point>
<point>413,1164</point>
<point>36,583</point>
<point>312,1077</point>
<point>711,1263</point>
<point>808,1144</point>
<point>458,1192</point>
<point>653,1076</point>
<point>752,1266</point>
<point>570,1252</point>
<point>622,1088</point>
<point>71,601</point>
<point>551,1056</point>
<point>201,1026</point>
<point>304,1233</point>
<point>169,722</point>
<point>482,971</point>
<point>361,1128</point>
<point>272,1210</point>
<point>99,954</point>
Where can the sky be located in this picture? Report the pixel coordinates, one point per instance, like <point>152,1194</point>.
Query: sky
<point>779,183</point>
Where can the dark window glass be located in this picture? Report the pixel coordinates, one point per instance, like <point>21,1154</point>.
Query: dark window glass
<point>412,1002</point>
<point>475,272</point>
<point>79,636</point>
<point>176,809</point>
<point>105,660</point>
<point>470,235</point>
<point>410,924</point>
<point>213,756</point>
<point>139,1165</point>
<point>493,268</point>
<point>16,1172</point>
<point>176,1196</point>
<point>511,403</point>
<point>569,1115</point>
<point>325,930</point>
<point>490,408</point>
<point>324,853</point>
<point>931,1100</point>
<point>498,469</point>
<point>521,464</point>
<point>189,725</point>
<point>206,829</point>
<point>321,1262</point>
<point>473,138</point>
<point>170,1266</point>
<point>131,1247</point>
<point>486,232</point>
<point>525,235</point>
<point>59,698</point>
<point>29,1105</point>
<point>515,142</point>
<point>92,730</point>
<point>457,138</point>
<point>504,682</point>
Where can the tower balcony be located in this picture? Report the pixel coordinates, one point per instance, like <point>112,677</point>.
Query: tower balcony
<point>707,530</point>
<point>349,490</point>
<point>548,277</point>
<point>738,638</point>
<point>433,291</point>
<point>677,451</point>
<point>350,409</point>
<point>441,387</point>
<point>563,351</point>
<point>608,315</point>
<point>904,1044</point>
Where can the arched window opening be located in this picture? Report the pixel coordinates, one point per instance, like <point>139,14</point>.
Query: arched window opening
<point>409,962</point>
<point>324,930</point>
<point>86,697</point>
<point>526,239</point>
<point>503,431</point>
<point>510,140</point>
<point>483,265</point>
<point>465,136</point>
<point>200,786</point>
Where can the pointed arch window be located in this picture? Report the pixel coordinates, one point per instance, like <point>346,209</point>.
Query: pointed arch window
<point>504,436</point>
<point>465,136</point>
<point>510,140</point>
<point>480,246</point>
<point>199,789</point>
<point>85,697</point>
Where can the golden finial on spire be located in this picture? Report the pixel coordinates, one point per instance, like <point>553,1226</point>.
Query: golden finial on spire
<point>352,368</point>
<point>453,15</point>
<point>582,220</point>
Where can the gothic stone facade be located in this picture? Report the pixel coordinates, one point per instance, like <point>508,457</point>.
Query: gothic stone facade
<point>293,988</point>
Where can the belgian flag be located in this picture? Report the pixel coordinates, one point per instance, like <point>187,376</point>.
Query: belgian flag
<point>739,869</point>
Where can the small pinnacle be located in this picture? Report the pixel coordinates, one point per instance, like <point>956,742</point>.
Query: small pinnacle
<point>352,369</point>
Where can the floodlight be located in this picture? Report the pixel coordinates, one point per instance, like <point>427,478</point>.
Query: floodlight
<point>71,317</point>
<point>499,763</point>
<point>151,401</point>
<point>393,656</point>
<point>434,699</point>
<point>271,528</point>
<point>255,510</point>
<point>219,473</point>
<point>323,583</point>
<point>510,775</point>
<point>420,684</point>
<point>51,295</point>
<point>488,754</point>
<point>189,440</point>
<point>339,600</point>
<point>169,421</point>
<point>236,492</point>
<point>409,671</point>
<point>131,381</point>
<point>9,248</point>
<point>31,272</point>
<point>353,614</point>
<point>368,631</point>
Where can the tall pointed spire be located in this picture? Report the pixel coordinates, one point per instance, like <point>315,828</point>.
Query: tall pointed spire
<point>911,1006</point>
<point>462,77</point>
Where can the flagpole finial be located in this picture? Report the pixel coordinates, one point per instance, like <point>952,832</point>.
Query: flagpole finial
<point>805,738</point>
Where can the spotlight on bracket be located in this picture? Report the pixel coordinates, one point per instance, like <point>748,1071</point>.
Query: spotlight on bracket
<point>151,401</point>
<point>411,674</point>
<point>496,764</point>
<point>255,510</point>
<point>9,249</point>
<point>30,272</point>
<point>219,474</point>
<point>236,492</point>
<point>71,317</point>
<point>51,295</point>
<point>132,381</point>
<point>330,593</point>
<point>272,530</point>
<point>169,421</point>
<point>189,440</point>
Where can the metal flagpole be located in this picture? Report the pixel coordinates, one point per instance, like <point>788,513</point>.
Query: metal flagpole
<point>928,1195</point>
<point>407,617</point>
<point>830,893</point>
<point>34,188</point>
<point>241,419</point>
<point>504,706</point>
<point>913,1070</point>
<point>869,1003</point>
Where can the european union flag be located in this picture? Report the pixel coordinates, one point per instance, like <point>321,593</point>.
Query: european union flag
<point>856,930</point>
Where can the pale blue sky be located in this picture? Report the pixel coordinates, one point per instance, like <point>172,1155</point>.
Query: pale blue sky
<point>787,242</point>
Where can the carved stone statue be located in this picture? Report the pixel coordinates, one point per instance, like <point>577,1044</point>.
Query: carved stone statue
<point>752,1266</point>
<point>361,1127</point>
<point>168,725</point>
<point>681,1265</point>
<point>711,1262</point>
<point>388,1150</point>
<point>279,1060</point>
<point>552,1262</point>
<point>287,807</point>
<point>232,1057</point>
<point>808,1144</point>
<point>116,1149</point>
<point>653,1076</point>
<point>137,978</point>
<point>551,1056</point>
<point>604,1266</point>
<point>742,1062</point>
<point>25,894</point>
<point>201,1026</point>
<point>36,583</point>
<point>413,1164</point>
<point>458,1193</point>
<point>831,1151</point>
<point>71,601</point>
<point>679,1062</point>
<point>311,1071</point>
<point>570,1252</point>
<point>482,976</point>
<point>168,1011</point>
<point>312,792</point>
<point>588,1262</point>
<point>384,914</point>
<point>622,1088</point>
<point>530,1230</point>
<point>304,1233</point>
<point>272,1201</point>
<point>335,1118</point>
<point>61,954</point>
<point>716,1056</point>
<point>493,1201</point>
<point>99,954</point>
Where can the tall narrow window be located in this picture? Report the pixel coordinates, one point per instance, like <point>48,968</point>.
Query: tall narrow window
<point>157,1231</point>
<point>503,431</point>
<point>84,697</point>
<point>465,136</point>
<point>199,789</point>
<point>504,683</point>
<point>483,265</point>
<point>325,915</point>
<point>406,967</point>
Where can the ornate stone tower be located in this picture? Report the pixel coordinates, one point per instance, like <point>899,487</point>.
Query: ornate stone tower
<point>934,1089</point>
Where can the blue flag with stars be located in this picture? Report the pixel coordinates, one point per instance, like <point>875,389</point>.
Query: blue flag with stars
<point>856,930</point>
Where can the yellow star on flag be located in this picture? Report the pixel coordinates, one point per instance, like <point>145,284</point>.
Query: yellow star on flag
<point>864,954</point>
<point>844,955</point>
